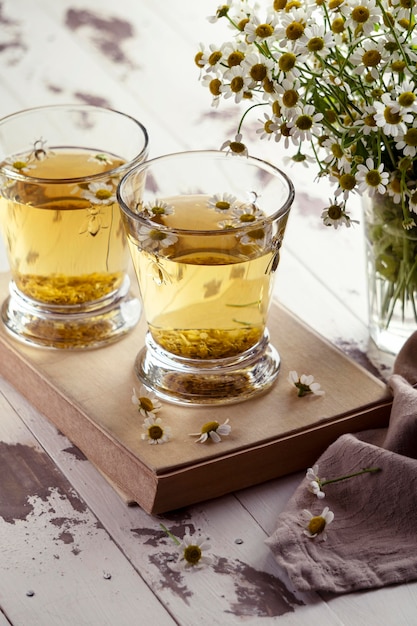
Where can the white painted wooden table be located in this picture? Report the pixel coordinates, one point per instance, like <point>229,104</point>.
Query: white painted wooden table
<point>71,551</point>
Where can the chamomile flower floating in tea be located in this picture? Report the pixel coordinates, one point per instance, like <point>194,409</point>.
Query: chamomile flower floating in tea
<point>62,226</point>
<point>205,270</point>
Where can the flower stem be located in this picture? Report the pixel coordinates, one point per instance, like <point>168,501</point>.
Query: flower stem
<point>169,533</point>
<point>366,470</point>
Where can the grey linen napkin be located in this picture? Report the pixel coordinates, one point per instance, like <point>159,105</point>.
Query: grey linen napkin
<point>372,540</point>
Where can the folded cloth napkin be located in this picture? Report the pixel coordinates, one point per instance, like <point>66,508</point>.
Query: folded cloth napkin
<point>370,538</point>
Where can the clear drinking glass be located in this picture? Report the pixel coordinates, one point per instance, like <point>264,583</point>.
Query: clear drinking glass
<point>68,256</point>
<point>204,229</point>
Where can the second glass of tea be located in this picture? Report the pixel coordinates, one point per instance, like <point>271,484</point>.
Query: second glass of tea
<point>68,256</point>
<point>205,230</point>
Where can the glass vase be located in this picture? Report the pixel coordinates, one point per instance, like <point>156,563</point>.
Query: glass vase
<point>391,254</point>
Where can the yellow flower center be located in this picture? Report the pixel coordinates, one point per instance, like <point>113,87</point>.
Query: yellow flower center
<point>235,58</point>
<point>268,85</point>
<point>146,403</point>
<point>370,121</point>
<point>294,4</point>
<point>214,87</point>
<point>257,235</point>
<point>156,235</point>
<point>334,4</point>
<point>215,57</point>
<point>103,194</point>
<point>236,84</point>
<point>371,58</point>
<point>276,108</point>
<point>209,426</point>
<point>158,210</point>
<point>398,66</point>
<point>223,205</point>
<point>373,178</point>
<point>406,99</point>
<point>287,61</point>
<point>347,182</point>
<point>237,147</point>
<point>315,44</point>
<point>192,554</point>
<point>247,218</point>
<point>410,137</point>
<point>19,165</point>
<point>290,98</point>
<point>334,211</point>
<point>258,72</point>
<point>294,30</point>
<point>279,4</point>
<point>336,150</point>
<point>338,25</point>
<point>392,117</point>
<point>285,130</point>
<point>241,25</point>
<point>264,30</point>
<point>198,59</point>
<point>268,127</point>
<point>304,122</point>
<point>155,432</point>
<point>360,14</point>
<point>316,525</point>
<point>330,116</point>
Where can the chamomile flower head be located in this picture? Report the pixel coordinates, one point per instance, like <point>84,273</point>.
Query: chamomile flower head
<point>155,432</point>
<point>305,384</point>
<point>222,202</point>
<point>235,146</point>
<point>390,117</point>
<point>237,84</point>
<point>212,431</point>
<point>157,209</point>
<point>146,402</point>
<point>100,193</point>
<point>155,239</point>
<point>371,178</point>
<point>361,16</point>
<point>406,140</point>
<point>335,215</point>
<point>261,31</point>
<point>316,525</point>
<point>304,125</point>
<point>192,552</point>
<point>314,482</point>
<point>21,165</point>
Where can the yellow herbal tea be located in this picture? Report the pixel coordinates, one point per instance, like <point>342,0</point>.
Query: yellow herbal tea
<point>65,239</point>
<point>206,295</point>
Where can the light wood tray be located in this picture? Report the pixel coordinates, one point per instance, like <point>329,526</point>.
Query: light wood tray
<point>87,395</point>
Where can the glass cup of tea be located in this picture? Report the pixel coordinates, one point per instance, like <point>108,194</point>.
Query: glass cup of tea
<point>59,170</point>
<point>205,230</point>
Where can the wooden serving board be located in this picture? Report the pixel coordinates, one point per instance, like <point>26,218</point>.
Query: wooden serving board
<point>87,395</point>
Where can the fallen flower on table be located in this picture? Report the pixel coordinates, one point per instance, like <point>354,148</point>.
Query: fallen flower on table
<point>213,431</point>
<point>155,432</point>
<point>305,384</point>
<point>146,402</point>
<point>315,483</point>
<point>317,524</point>
<point>191,550</point>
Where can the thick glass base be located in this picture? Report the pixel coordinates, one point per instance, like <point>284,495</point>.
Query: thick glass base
<point>207,382</point>
<point>77,327</point>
